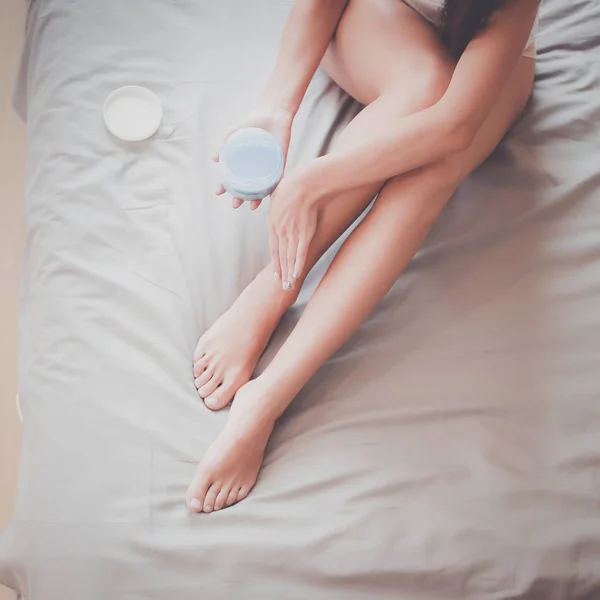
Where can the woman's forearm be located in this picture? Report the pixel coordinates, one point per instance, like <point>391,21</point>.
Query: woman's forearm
<point>448,126</point>
<point>307,33</point>
<point>411,142</point>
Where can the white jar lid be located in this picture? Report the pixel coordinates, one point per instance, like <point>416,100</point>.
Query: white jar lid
<point>132,113</point>
<point>251,162</point>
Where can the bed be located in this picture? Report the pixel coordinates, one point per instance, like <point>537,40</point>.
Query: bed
<point>450,450</point>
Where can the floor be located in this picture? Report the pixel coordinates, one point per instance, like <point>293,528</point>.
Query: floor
<point>12,176</point>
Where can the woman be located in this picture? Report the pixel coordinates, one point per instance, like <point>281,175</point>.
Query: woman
<point>442,83</point>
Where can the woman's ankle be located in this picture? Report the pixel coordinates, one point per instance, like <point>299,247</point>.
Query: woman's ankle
<point>266,293</point>
<point>265,398</point>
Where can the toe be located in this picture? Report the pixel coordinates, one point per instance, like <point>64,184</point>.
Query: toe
<point>242,493</point>
<point>208,388</point>
<point>222,498</point>
<point>199,352</point>
<point>200,366</point>
<point>232,497</point>
<point>211,496</point>
<point>197,492</point>
<point>221,397</point>
<point>204,378</point>
<point>214,400</point>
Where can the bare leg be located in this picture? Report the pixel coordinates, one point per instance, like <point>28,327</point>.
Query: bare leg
<point>265,302</point>
<point>364,270</point>
<point>228,352</point>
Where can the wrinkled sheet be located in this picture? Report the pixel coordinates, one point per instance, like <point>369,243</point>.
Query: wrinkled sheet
<point>450,450</point>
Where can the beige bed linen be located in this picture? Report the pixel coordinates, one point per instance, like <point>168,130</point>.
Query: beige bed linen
<point>450,450</point>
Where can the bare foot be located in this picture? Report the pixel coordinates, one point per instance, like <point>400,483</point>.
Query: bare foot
<point>227,353</point>
<point>229,469</point>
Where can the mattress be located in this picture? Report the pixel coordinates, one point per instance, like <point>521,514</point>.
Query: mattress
<point>451,449</point>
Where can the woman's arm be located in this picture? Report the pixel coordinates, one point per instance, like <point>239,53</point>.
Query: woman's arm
<point>306,35</point>
<point>446,127</point>
<point>305,39</point>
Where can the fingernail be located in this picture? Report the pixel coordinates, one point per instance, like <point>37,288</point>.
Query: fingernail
<point>287,286</point>
<point>195,504</point>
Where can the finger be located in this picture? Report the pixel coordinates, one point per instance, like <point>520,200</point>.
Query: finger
<point>285,281</point>
<point>227,135</point>
<point>216,154</point>
<point>301,256</point>
<point>274,249</point>
<point>236,202</point>
<point>292,251</point>
<point>254,204</point>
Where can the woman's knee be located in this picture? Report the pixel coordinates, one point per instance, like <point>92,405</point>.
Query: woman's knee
<point>424,86</point>
<point>384,47</point>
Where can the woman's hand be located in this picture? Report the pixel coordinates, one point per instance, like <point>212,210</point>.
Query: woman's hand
<point>277,121</point>
<point>292,226</point>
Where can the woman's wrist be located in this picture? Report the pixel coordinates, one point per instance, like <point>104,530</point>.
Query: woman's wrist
<point>279,104</point>
<point>315,177</point>
<point>310,182</point>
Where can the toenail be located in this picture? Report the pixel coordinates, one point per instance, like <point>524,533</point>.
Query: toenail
<point>287,286</point>
<point>208,508</point>
<point>195,504</point>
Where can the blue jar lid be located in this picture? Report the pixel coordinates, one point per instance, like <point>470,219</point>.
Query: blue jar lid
<point>251,162</point>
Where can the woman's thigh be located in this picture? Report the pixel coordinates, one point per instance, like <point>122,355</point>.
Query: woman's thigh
<point>408,204</point>
<point>383,46</point>
<point>387,56</point>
